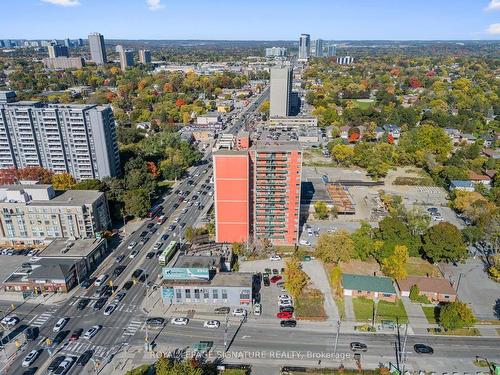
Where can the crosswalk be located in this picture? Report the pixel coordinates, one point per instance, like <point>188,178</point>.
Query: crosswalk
<point>133,327</point>
<point>129,308</point>
<point>429,189</point>
<point>41,319</point>
<point>77,348</point>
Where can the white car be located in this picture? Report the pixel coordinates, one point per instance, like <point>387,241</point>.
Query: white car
<point>211,324</point>
<point>133,254</point>
<point>109,310</point>
<point>10,321</point>
<point>157,246</point>
<point>309,232</point>
<point>239,312</point>
<point>60,324</point>
<point>284,296</point>
<point>180,321</point>
<point>30,358</point>
<point>257,309</point>
<point>92,332</point>
<point>132,245</point>
<point>286,303</point>
<point>176,220</point>
<point>64,366</point>
<point>100,280</point>
<point>305,242</point>
<point>274,257</point>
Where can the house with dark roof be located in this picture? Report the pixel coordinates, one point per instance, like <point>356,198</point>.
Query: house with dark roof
<point>463,185</point>
<point>371,287</point>
<point>436,290</point>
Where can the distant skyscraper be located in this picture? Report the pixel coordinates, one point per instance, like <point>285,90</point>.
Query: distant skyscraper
<point>56,50</point>
<point>97,49</point>
<point>332,50</point>
<point>276,52</point>
<point>281,91</point>
<point>304,47</point>
<point>80,42</point>
<point>126,57</point>
<point>145,56</point>
<point>67,43</point>
<point>7,43</point>
<point>319,47</point>
<point>1,44</point>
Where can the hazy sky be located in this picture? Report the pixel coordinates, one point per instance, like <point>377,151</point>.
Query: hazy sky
<point>251,20</point>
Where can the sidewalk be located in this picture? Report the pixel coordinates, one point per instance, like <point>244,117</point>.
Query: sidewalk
<point>416,316</point>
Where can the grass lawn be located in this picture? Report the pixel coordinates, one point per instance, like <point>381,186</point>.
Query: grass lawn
<point>165,183</point>
<point>420,267</point>
<point>362,103</point>
<point>431,313</point>
<point>331,371</point>
<point>456,332</point>
<point>309,305</point>
<point>339,301</point>
<point>392,311</point>
<point>363,310</point>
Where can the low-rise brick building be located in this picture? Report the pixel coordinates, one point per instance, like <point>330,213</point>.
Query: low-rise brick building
<point>371,287</point>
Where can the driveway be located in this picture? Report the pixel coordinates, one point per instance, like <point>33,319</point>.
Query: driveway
<point>474,286</point>
<point>317,274</point>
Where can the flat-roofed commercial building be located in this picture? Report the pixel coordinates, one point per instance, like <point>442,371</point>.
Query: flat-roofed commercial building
<point>34,214</point>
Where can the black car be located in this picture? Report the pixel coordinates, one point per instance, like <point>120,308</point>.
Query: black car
<point>128,285</point>
<point>286,309</point>
<point>138,272</point>
<point>31,371</point>
<point>266,281</point>
<point>143,277</point>
<point>222,310</point>
<point>358,347</point>
<point>85,284</point>
<point>60,337</point>
<point>150,225</point>
<point>164,237</point>
<point>150,255</point>
<point>32,333</point>
<point>119,258</point>
<point>84,358</point>
<point>182,225</point>
<point>100,303</point>
<point>423,349</point>
<point>175,206</point>
<point>195,197</point>
<point>106,291</point>
<point>55,363</point>
<point>155,322</point>
<point>143,234</point>
<point>153,230</point>
<point>118,270</point>
<point>288,323</point>
<point>82,303</point>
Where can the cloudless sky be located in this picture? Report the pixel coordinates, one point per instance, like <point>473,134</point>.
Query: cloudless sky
<point>252,19</point>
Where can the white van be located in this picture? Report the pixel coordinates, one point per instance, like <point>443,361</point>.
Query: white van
<point>100,280</point>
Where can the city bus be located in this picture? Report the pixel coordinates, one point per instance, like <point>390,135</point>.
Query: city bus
<point>154,211</point>
<point>168,253</point>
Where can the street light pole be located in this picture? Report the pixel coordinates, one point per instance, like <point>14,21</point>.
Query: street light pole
<point>336,338</point>
<point>404,347</point>
<point>225,332</point>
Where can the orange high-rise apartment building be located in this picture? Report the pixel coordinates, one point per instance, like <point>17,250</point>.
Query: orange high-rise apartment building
<point>257,192</point>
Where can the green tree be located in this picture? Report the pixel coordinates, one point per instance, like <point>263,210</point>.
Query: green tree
<point>91,184</point>
<point>363,241</point>
<point>237,248</point>
<point>395,265</point>
<point>342,154</point>
<point>189,234</point>
<point>295,279</point>
<point>393,231</point>
<point>444,242</point>
<point>414,293</point>
<point>456,315</point>
<point>335,247</point>
<point>63,181</point>
<point>418,220</point>
<point>137,202</point>
<point>336,280</point>
<point>321,210</point>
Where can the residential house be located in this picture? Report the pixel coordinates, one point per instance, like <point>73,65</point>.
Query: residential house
<point>344,132</point>
<point>488,140</point>
<point>436,290</point>
<point>492,153</point>
<point>477,178</point>
<point>463,185</point>
<point>468,138</point>
<point>393,130</point>
<point>454,135</point>
<point>491,173</point>
<point>371,287</point>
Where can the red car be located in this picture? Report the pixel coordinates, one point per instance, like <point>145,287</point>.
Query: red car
<point>76,334</point>
<point>275,279</point>
<point>284,315</point>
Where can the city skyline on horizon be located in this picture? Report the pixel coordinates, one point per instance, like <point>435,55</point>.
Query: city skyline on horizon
<point>279,21</point>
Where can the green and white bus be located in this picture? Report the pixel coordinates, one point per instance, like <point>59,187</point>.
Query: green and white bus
<point>168,253</point>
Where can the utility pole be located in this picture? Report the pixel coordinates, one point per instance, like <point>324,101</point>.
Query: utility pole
<point>225,332</point>
<point>404,347</point>
<point>458,282</point>
<point>336,338</point>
